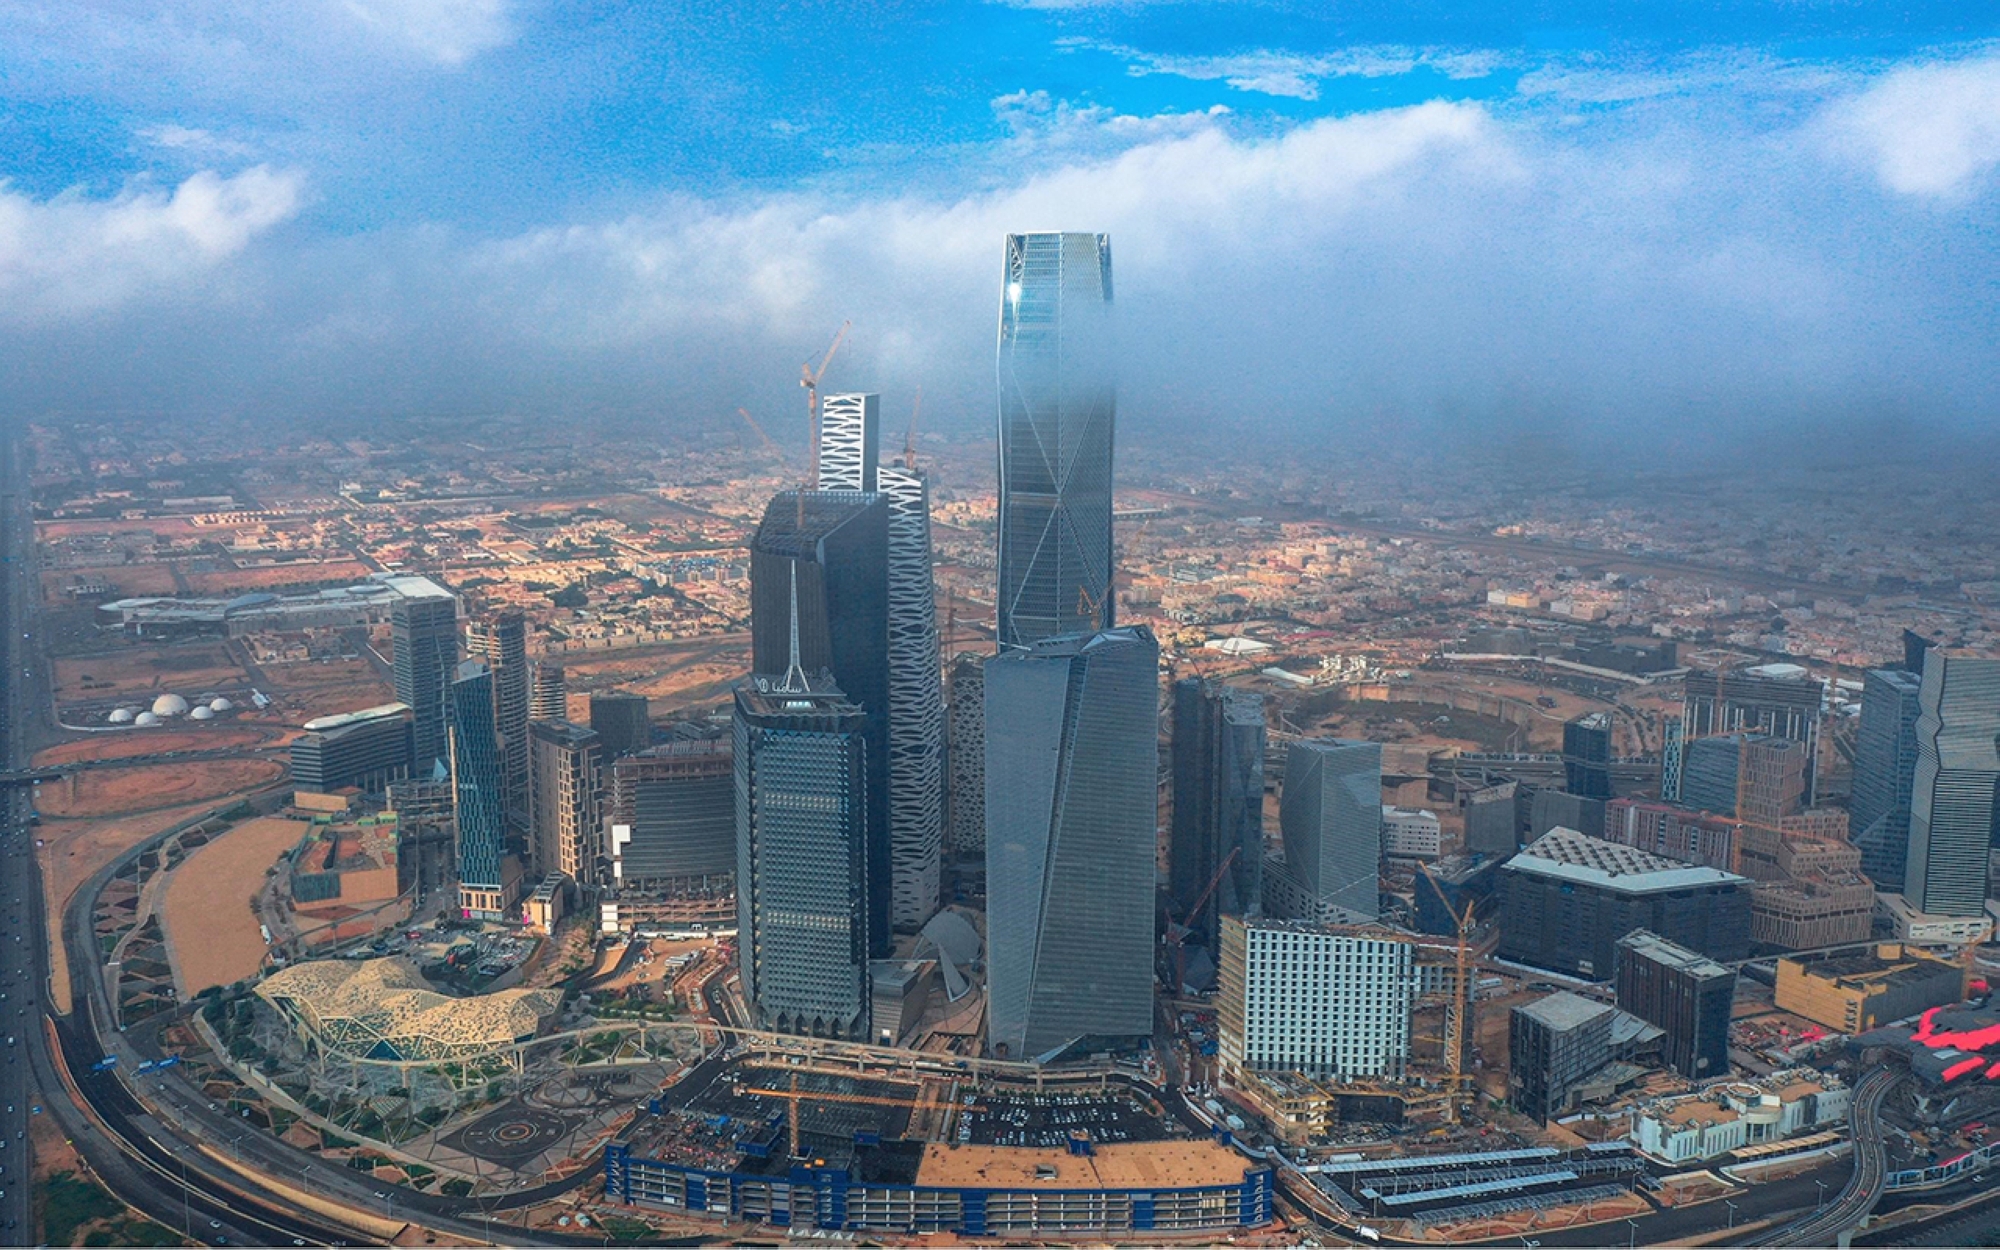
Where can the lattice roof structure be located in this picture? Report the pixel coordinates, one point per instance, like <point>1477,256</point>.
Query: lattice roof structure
<point>381,1009</point>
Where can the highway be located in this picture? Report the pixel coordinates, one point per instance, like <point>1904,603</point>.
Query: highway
<point>21,951</point>
<point>1827,1225</point>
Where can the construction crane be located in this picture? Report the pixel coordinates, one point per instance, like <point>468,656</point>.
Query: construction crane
<point>794,1096</point>
<point>1186,925</point>
<point>910,436</point>
<point>762,437</point>
<point>1461,1008</point>
<point>809,378</point>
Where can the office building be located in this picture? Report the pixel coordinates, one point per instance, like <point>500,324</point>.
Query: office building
<point>1559,809</point>
<point>1853,991</point>
<point>1885,772</point>
<point>671,812</point>
<point>1566,899</point>
<point>1072,763</point>
<point>833,547</point>
<point>1330,819</point>
<point>501,639</point>
<point>1411,833</point>
<point>423,633</point>
<point>1490,821</point>
<point>965,831</point>
<point>1686,994</point>
<point>1781,700</point>
<point>801,754</point>
<point>1587,756</point>
<point>1306,998</point>
<point>568,765</point>
<point>1217,832</point>
<point>485,890</point>
<point>1673,832</point>
<point>1763,774</point>
<point>367,749</point>
<point>548,694</point>
<point>1956,788</point>
<point>624,723</point>
<point>1553,1045</point>
<point>850,442</point>
<point>1057,408</point>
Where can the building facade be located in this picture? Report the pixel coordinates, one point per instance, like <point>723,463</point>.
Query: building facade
<point>568,764</point>
<point>965,832</point>
<point>1218,806</point>
<point>1330,817</point>
<point>1956,788</point>
<point>1781,700</point>
<point>484,890</point>
<point>423,633</point>
<point>548,692</point>
<point>1854,991</point>
<point>672,818</point>
<point>1684,993</point>
<point>1553,1045</point>
<point>1057,410</point>
<point>501,639</point>
<point>1763,775</point>
<point>1694,1128</point>
<point>367,749</point>
<point>1885,773</point>
<point>1072,759</point>
<point>624,723</point>
<point>1306,998</point>
<point>1587,756</point>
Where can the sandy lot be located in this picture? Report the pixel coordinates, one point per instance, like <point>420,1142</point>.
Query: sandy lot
<point>148,787</point>
<point>164,527</point>
<point>132,581</point>
<point>124,745</point>
<point>148,671</point>
<point>236,581</point>
<point>210,923</point>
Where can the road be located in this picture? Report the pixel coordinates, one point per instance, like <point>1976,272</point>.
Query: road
<point>1826,1226</point>
<point>23,954</point>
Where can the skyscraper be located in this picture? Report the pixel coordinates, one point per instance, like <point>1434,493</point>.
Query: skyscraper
<point>568,763</point>
<point>965,833</point>
<point>672,816</point>
<point>1072,760</point>
<point>476,790</point>
<point>822,557</point>
<point>1057,406</point>
<point>802,855</point>
<point>1753,777</point>
<point>501,640</point>
<point>548,696</point>
<point>1587,756</point>
<point>1777,699</point>
<point>1885,772</point>
<point>1218,787</point>
<point>1957,785</point>
<point>1330,816</point>
<point>850,442</point>
<point>623,721</point>
<point>423,631</point>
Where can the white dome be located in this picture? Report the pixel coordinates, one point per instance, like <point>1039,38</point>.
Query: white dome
<point>169,705</point>
<point>220,704</point>
<point>146,720</point>
<point>122,716</point>
<point>203,712</point>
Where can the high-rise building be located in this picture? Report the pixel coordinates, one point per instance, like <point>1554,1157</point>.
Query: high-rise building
<point>1218,817</point>
<point>423,631</point>
<point>1553,1044</point>
<point>1756,778</point>
<point>819,574</point>
<point>1072,763</point>
<point>1957,785</point>
<point>1490,822</point>
<point>483,887</point>
<point>367,749</point>
<point>1057,407</point>
<point>1885,773</point>
<point>501,639</point>
<point>1327,1003</point>
<point>1686,994</point>
<point>1782,700</point>
<point>850,442</point>
<point>568,765</point>
<point>672,817</point>
<point>548,694</point>
<point>1587,756</point>
<point>801,750</point>
<point>1673,832</point>
<point>1330,817</point>
<point>965,831</point>
<point>624,723</point>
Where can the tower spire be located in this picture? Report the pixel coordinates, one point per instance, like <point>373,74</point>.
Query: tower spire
<point>795,676</point>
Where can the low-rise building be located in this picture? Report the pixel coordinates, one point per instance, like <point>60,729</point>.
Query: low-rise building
<point>1854,991</point>
<point>1694,1128</point>
<point>1411,833</point>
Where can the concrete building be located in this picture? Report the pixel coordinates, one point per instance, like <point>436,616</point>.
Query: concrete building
<point>1695,1128</point>
<point>1566,900</point>
<point>423,631</point>
<point>1956,789</point>
<point>1306,998</point>
<point>624,723</point>
<point>1218,805</point>
<point>1330,817</point>
<point>1411,833</point>
<point>1854,991</point>
<point>501,639</point>
<point>568,767</point>
<point>1553,1045</point>
<point>367,749</point>
<point>1072,765</point>
<point>965,832</point>
<point>1781,700</point>
<point>671,811</point>
<point>486,882</point>
<point>1587,756</point>
<point>1687,995</point>
<point>1057,409</point>
<point>1885,773</point>
<point>1765,774</point>
<point>1490,821</point>
<point>1671,832</point>
<point>548,692</point>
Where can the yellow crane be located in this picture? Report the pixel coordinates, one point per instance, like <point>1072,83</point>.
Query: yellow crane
<point>809,378</point>
<point>1457,1022</point>
<point>794,1096</point>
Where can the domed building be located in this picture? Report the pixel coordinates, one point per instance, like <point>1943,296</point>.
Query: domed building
<point>169,705</point>
<point>123,715</point>
<point>204,712</point>
<point>146,720</point>
<point>220,704</point>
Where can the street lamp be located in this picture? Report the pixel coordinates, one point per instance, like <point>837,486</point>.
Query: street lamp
<point>1732,1211</point>
<point>1822,1191</point>
<point>388,1204</point>
<point>1633,1239</point>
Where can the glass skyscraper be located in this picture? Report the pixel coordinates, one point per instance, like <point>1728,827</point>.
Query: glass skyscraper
<point>476,793</point>
<point>1957,785</point>
<point>1885,771</point>
<point>1218,788</point>
<point>501,640</point>
<point>1057,404</point>
<point>1330,816</point>
<point>423,630</point>
<point>1072,761</point>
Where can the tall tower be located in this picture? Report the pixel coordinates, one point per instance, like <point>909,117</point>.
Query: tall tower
<point>423,630</point>
<point>624,721</point>
<point>1072,805</point>
<point>819,583</point>
<point>850,441</point>
<point>966,786</point>
<point>1331,818</point>
<point>476,786</point>
<point>1885,772</point>
<point>1957,785</point>
<point>548,694</point>
<point>568,790</point>
<point>1057,405</point>
<point>501,640</point>
<point>1587,756</point>
<point>1218,781</point>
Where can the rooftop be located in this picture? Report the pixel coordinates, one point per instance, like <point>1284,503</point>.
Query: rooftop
<point>340,720</point>
<point>1568,855</point>
<point>1121,1165</point>
<point>1563,1011</point>
<point>1656,948</point>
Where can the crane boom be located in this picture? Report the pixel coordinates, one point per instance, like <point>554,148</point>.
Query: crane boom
<point>794,1096</point>
<point>809,378</point>
<point>910,436</point>
<point>1461,993</point>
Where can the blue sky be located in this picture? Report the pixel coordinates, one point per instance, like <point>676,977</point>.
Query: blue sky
<point>1586,214</point>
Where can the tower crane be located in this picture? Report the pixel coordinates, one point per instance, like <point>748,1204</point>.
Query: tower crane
<point>1186,925</point>
<point>794,1096</point>
<point>910,436</point>
<point>809,378</point>
<point>775,450</point>
<point>1461,1008</point>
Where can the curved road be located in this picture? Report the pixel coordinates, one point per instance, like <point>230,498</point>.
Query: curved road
<point>1826,1226</point>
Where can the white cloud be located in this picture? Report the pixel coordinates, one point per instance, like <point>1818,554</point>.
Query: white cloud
<point>450,32</point>
<point>1927,130</point>
<point>74,255</point>
<point>1298,76</point>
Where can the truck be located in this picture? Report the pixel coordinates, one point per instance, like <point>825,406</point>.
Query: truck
<point>105,1064</point>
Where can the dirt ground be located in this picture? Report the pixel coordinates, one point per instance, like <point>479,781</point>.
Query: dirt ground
<point>210,922</point>
<point>130,581</point>
<point>147,671</point>
<point>114,791</point>
<point>242,581</point>
<point>672,678</point>
<point>118,746</point>
<point>164,527</point>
